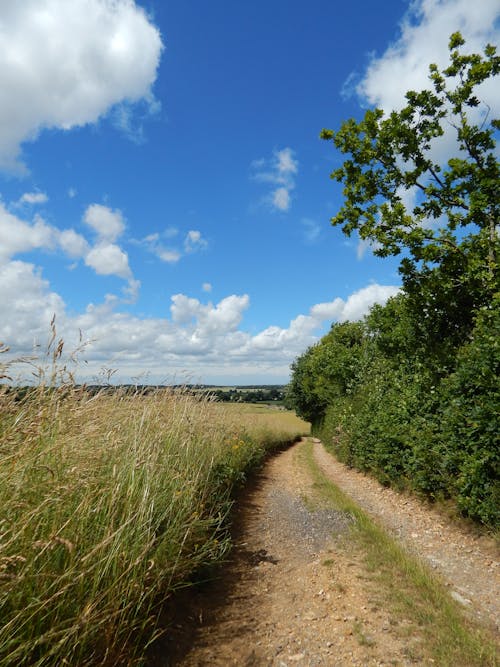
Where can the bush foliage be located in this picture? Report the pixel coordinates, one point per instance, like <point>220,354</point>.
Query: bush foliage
<point>411,394</point>
<point>394,420</point>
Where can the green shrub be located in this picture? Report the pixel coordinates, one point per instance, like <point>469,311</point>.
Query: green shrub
<point>470,420</point>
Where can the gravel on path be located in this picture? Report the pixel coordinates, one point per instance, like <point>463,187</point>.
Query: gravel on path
<point>294,593</point>
<point>468,562</point>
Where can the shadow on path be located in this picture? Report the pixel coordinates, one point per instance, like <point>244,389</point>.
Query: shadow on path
<point>201,604</point>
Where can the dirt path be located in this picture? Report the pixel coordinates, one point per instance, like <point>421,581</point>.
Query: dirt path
<point>293,594</point>
<point>468,562</point>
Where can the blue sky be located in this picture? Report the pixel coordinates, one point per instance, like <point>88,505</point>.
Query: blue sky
<point>163,187</point>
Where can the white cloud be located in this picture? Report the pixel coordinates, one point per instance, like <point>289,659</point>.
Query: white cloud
<point>198,342</point>
<point>197,339</point>
<point>285,162</point>
<point>17,236</point>
<point>423,40</point>
<point>73,244</point>
<point>131,291</point>
<point>124,118</point>
<point>359,303</point>
<point>154,243</point>
<point>224,317</point>
<point>34,198</point>
<point>301,331</point>
<point>105,258</point>
<point>280,171</point>
<point>108,259</point>
<point>185,309</point>
<point>108,224</point>
<point>280,199</point>
<point>27,306</point>
<point>364,245</point>
<point>168,256</point>
<point>331,310</point>
<point>66,64</point>
<point>194,241</point>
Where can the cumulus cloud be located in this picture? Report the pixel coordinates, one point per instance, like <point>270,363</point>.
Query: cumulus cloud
<point>27,306</point>
<point>224,317</point>
<point>279,171</point>
<point>108,259</point>
<point>185,309</point>
<point>104,257</point>
<point>73,244</point>
<point>101,54</point>
<point>197,337</point>
<point>423,40</point>
<point>198,341</point>
<point>331,310</point>
<point>359,303</point>
<point>301,331</point>
<point>18,236</point>
<point>107,224</point>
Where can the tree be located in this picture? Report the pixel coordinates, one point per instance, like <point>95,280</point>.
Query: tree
<point>327,371</point>
<point>390,161</point>
<point>411,394</point>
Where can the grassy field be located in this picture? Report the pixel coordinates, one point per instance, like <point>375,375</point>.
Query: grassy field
<point>262,418</point>
<point>108,504</point>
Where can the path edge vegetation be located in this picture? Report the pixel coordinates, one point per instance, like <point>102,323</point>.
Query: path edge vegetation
<point>409,588</point>
<point>411,393</point>
<point>110,502</point>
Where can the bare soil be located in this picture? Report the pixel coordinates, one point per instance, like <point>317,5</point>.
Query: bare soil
<point>294,593</point>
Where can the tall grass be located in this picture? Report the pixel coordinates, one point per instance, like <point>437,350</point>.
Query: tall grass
<point>108,503</point>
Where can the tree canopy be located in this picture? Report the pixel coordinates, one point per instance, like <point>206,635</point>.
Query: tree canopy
<point>411,394</point>
<point>399,196</point>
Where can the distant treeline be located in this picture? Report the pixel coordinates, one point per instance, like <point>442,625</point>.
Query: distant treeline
<point>239,394</point>
<point>22,391</point>
<point>250,394</point>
